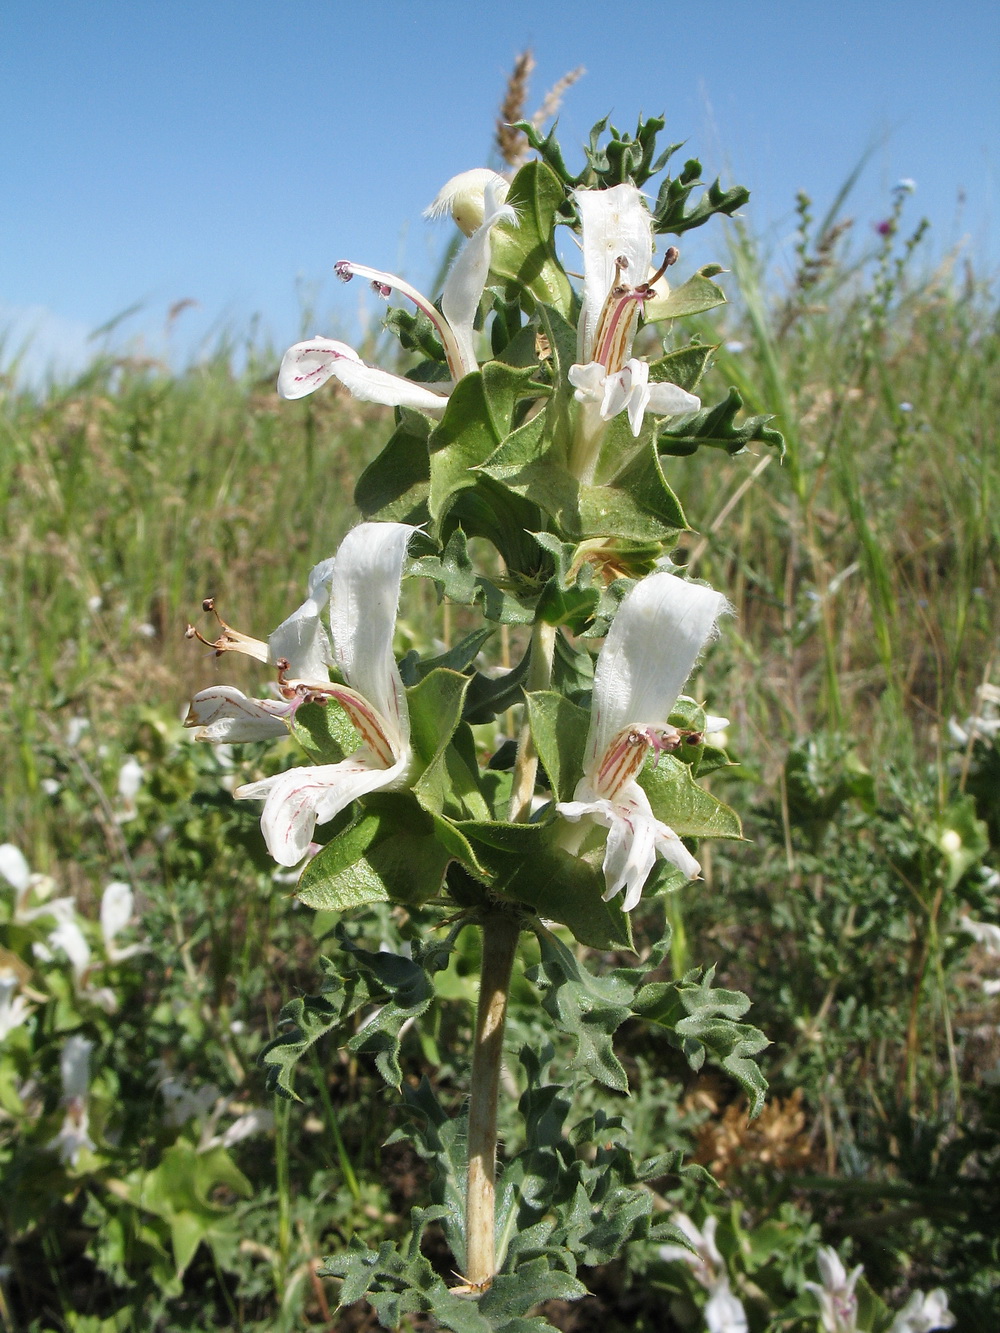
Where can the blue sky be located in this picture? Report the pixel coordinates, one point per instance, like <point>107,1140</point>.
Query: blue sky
<point>231,152</point>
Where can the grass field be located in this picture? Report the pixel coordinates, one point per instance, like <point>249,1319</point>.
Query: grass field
<point>862,569</point>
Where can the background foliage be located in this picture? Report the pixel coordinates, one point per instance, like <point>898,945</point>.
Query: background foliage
<point>863,571</point>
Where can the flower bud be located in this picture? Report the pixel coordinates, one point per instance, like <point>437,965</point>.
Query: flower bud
<point>463,197</point>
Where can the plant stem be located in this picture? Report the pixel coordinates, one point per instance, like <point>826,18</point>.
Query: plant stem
<point>543,645</point>
<point>500,935</point>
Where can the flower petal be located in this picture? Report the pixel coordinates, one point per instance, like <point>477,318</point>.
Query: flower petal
<point>670,400</point>
<point>223,713</point>
<point>301,639</point>
<point>296,801</point>
<point>655,639</point>
<point>364,599</point>
<point>616,225</point>
<point>308,365</point>
<point>116,911</point>
<point>724,1312</point>
<point>466,282</point>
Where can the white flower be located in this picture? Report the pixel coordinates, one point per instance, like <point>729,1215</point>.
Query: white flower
<point>922,1314</point>
<point>837,1301</point>
<point>705,1262</point>
<point>74,1069</point>
<point>116,911</point>
<point>310,364</point>
<point>14,867</point>
<point>364,598</point>
<point>223,713</point>
<point>655,639</point>
<point>130,777</point>
<point>983,932</point>
<point>617,257</point>
<point>14,1008</point>
<point>724,1312</point>
<point>68,937</point>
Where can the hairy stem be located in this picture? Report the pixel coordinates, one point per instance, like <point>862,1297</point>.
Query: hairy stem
<point>543,644</point>
<point>500,934</point>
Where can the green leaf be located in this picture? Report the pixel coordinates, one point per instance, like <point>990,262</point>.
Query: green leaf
<point>184,1188</point>
<point>671,213</point>
<point>684,367</point>
<point>416,333</point>
<point>408,992</point>
<point>395,486</point>
<point>325,732</point>
<point>589,1008</point>
<point>688,809</point>
<point>559,730</point>
<point>526,254</point>
<point>455,575</point>
<point>526,865</point>
<point>393,852</point>
<point>449,782</point>
<point>478,417</point>
<point>414,668</point>
<point>513,1294</point>
<point>716,428</point>
<point>702,1020</point>
<point>693,297</point>
<point>441,1140</point>
<point>636,504</point>
<point>305,1020</point>
<point>488,696</point>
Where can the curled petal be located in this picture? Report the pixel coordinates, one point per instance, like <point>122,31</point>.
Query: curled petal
<point>223,713</point>
<point>627,389</point>
<point>308,365</point>
<point>296,801</point>
<point>669,400</point>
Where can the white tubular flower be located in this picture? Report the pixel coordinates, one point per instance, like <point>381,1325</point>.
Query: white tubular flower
<point>74,1069</point>
<point>724,1312</point>
<point>117,903</point>
<point>15,868</point>
<point>308,365</point>
<point>837,1302</point>
<point>364,598</point>
<point>705,1262</point>
<point>14,1008</point>
<point>223,713</point>
<point>617,257</point>
<point>923,1314</point>
<point>655,639</point>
